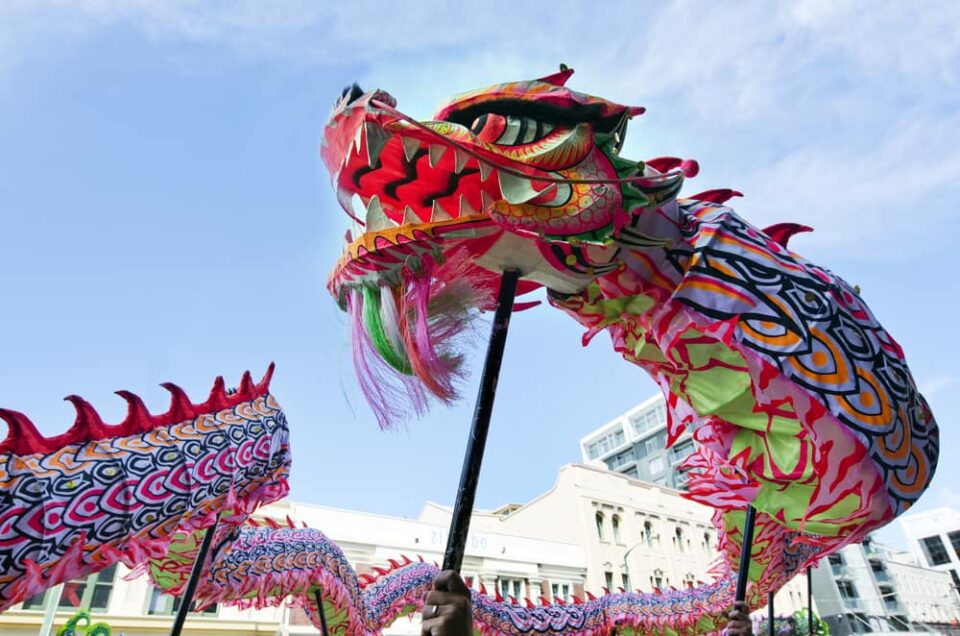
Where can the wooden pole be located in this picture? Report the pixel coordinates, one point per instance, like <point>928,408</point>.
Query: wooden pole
<point>187,599</point>
<point>318,594</point>
<point>745,549</point>
<point>470,475</point>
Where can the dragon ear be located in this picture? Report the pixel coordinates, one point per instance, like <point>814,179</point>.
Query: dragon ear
<point>560,77</point>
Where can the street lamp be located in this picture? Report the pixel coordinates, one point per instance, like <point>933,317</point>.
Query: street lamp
<point>626,567</point>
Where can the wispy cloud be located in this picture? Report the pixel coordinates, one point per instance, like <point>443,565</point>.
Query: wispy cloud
<point>840,114</point>
<point>937,384</point>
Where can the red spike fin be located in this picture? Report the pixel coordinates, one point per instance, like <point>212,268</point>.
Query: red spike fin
<point>263,386</point>
<point>590,597</point>
<point>528,603</point>
<point>499,597</point>
<point>23,438</point>
<point>559,78</point>
<point>366,579</point>
<point>513,600</point>
<point>394,564</point>
<point>544,602</point>
<point>620,590</point>
<point>380,571</point>
<point>718,196</point>
<point>558,601</point>
<point>577,600</point>
<point>406,560</point>
<point>606,591</point>
<point>218,396</point>
<point>483,589</point>
<point>138,419</point>
<point>290,523</point>
<point>245,390</point>
<point>782,232</point>
<point>89,424</point>
<point>270,522</point>
<point>689,167</point>
<point>181,409</point>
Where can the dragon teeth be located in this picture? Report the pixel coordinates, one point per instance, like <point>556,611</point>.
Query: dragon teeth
<point>438,213</point>
<point>459,160</point>
<point>345,197</point>
<point>485,169</point>
<point>465,209</point>
<point>486,200</point>
<point>410,147</point>
<point>435,152</point>
<point>410,217</point>
<point>376,219</point>
<point>377,138</point>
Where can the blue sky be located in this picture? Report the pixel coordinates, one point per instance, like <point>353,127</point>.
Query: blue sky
<point>165,215</point>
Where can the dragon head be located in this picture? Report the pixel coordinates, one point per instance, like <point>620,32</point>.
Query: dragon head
<point>523,175</point>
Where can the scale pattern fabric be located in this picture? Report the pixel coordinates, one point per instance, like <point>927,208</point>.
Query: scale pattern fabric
<point>799,402</point>
<point>267,565</point>
<point>77,503</point>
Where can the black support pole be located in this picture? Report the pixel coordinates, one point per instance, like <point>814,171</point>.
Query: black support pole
<point>810,600</point>
<point>470,475</point>
<point>770,629</point>
<point>318,594</point>
<point>745,549</point>
<point>187,599</point>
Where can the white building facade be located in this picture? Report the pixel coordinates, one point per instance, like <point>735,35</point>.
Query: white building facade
<point>933,537</point>
<point>872,588</point>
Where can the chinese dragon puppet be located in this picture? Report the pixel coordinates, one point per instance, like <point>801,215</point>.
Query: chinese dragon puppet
<point>799,402</point>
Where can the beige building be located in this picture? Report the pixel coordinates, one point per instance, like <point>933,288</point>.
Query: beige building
<point>635,535</point>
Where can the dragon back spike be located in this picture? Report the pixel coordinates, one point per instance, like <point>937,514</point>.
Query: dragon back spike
<point>181,408</point>
<point>138,419</point>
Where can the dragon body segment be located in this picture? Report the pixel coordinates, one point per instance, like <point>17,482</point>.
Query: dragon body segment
<point>78,503</point>
<point>262,566</point>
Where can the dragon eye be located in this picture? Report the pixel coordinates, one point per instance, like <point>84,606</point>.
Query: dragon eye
<point>509,130</point>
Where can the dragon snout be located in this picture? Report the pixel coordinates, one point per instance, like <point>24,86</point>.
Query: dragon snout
<point>351,93</point>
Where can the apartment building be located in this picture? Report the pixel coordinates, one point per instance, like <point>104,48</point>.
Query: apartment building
<point>634,444</point>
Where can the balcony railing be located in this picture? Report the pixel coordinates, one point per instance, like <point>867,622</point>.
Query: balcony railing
<point>852,602</point>
<point>881,575</point>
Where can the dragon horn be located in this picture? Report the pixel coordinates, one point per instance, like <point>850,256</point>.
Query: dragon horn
<point>559,78</point>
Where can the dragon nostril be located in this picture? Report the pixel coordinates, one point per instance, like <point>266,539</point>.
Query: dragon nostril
<point>351,93</point>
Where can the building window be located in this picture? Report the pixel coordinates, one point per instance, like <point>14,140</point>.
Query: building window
<point>608,579</point>
<point>599,519</point>
<point>615,521</point>
<point>657,579</point>
<point>620,459</point>
<point>93,592</point>
<point>706,541</point>
<point>955,541</point>
<point>561,591</point>
<point>648,533</point>
<point>511,587</point>
<point>934,549</point>
<point>625,580</point>
<point>847,589</point>
<point>166,604</point>
<point>681,451</point>
<point>678,540</point>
